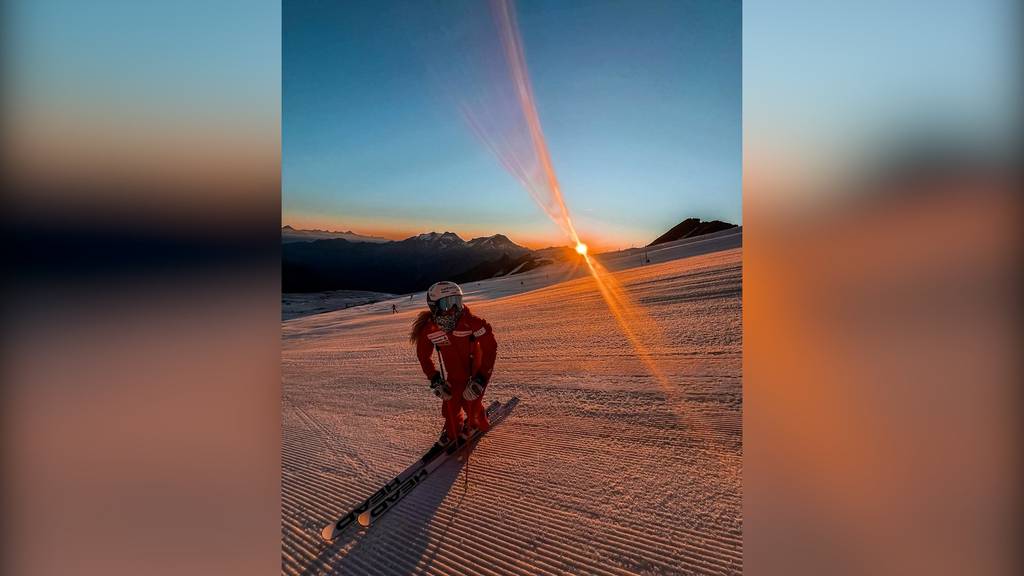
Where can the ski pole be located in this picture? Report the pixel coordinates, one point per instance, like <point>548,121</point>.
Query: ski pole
<point>440,362</point>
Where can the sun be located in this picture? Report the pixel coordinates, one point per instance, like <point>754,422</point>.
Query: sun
<point>581,248</point>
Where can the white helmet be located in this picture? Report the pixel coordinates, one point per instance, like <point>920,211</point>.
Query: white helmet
<point>445,301</point>
<point>443,296</point>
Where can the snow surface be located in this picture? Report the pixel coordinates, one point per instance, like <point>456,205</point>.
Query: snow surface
<point>599,469</point>
<point>299,304</point>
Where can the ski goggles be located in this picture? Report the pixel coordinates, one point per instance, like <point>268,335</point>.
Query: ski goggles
<point>448,303</point>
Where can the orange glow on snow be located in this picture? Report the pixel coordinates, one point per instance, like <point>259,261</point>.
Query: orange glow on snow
<point>643,335</point>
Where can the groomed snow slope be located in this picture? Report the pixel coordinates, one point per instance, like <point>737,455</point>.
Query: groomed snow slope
<point>596,471</point>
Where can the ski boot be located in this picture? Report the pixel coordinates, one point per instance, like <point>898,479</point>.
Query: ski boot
<point>468,431</point>
<point>441,445</point>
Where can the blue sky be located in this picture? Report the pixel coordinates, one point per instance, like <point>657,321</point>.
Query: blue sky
<point>640,104</point>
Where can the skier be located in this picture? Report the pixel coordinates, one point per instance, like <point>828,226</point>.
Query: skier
<point>394,309</point>
<point>466,349</point>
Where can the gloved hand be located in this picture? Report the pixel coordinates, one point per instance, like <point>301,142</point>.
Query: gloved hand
<point>474,388</point>
<point>440,387</point>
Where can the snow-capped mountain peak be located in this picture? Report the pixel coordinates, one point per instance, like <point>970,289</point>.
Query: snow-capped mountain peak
<point>496,242</point>
<point>443,240</point>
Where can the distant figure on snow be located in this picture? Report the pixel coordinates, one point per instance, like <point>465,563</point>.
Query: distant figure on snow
<point>466,350</point>
<point>394,309</point>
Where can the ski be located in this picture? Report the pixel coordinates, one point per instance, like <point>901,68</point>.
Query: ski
<point>391,493</point>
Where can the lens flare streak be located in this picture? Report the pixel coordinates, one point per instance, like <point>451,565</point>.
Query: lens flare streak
<point>524,154</point>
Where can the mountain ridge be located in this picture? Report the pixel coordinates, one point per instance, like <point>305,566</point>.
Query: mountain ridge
<point>398,266</point>
<point>412,264</point>
<point>691,227</point>
<point>290,234</point>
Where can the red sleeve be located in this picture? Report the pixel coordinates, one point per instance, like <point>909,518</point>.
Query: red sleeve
<point>425,354</point>
<point>484,336</point>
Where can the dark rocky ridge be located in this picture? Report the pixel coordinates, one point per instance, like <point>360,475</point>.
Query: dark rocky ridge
<point>691,227</point>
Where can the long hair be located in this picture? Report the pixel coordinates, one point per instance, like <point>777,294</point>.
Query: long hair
<point>418,324</point>
<point>421,320</point>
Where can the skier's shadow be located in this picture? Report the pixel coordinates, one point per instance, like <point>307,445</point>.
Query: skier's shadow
<point>409,524</point>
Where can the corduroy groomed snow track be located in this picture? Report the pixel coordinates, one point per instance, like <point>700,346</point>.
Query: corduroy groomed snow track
<point>602,469</point>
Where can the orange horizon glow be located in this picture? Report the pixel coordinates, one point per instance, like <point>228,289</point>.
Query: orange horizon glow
<point>396,230</point>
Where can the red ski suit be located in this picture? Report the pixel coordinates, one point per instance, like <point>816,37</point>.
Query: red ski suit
<point>468,350</point>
